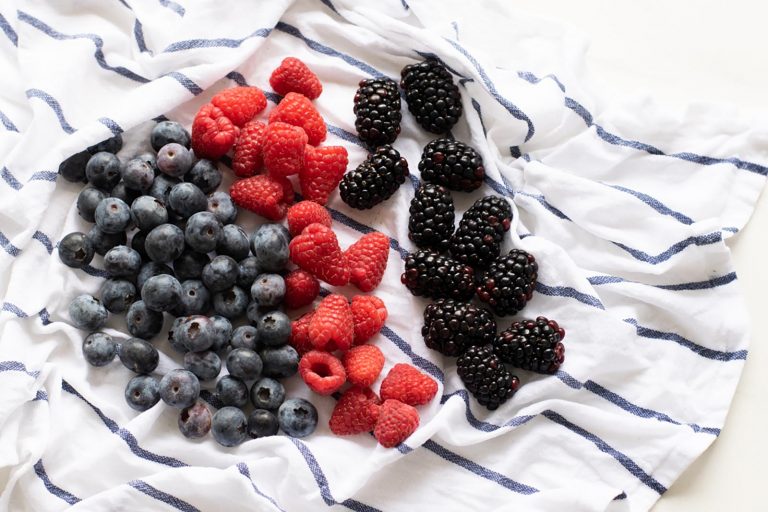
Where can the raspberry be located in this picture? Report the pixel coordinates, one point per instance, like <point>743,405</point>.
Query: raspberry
<point>248,157</point>
<point>323,170</point>
<point>322,372</point>
<point>356,412</point>
<point>317,251</point>
<point>363,364</point>
<point>396,422</point>
<point>301,288</point>
<point>407,384</point>
<point>261,194</point>
<point>212,132</point>
<point>240,104</point>
<point>300,334</point>
<point>332,327</point>
<point>367,260</point>
<point>369,314</point>
<point>284,149</point>
<point>294,76</point>
<point>304,213</point>
<point>297,110</point>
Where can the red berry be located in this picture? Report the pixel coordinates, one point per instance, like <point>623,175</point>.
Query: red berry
<point>240,104</point>
<point>367,260</point>
<point>297,110</point>
<point>407,384</point>
<point>248,157</point>
<point>300,334</point>
<point>261,194</point>
<point>331,327</point>
<point>324,167</point>
<point>213,134</point>
<point>304,213</point>
<point>284,149</point>
<point>356,412</point>
<point>301,288</point>
<point>396,422</point>
<point>363,364</point>
<point>323,373</point>
<point>369,314</point>
<point>294,76</point>
<point>317,251</point>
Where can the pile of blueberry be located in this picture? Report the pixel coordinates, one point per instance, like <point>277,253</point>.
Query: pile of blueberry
<point>187,258</point>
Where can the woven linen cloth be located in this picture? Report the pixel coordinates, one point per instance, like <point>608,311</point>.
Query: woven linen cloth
<point>627,211</point>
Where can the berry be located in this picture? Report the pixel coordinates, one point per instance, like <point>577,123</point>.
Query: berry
<point>175,160</point>
<point>179,388</point>
<point>117,295</point>
<point>533,345</point>
<point>166,132</point>
<point>220,273</point>
<point>205,176</point>
<point>122,261</point>
<point>229,426</point>
<point>232,391</point>
<point>222,332</point>
<point>304,213</point>
<point>332,325</point>
<point>138,174</point>
<point>367,260</point>
<point>138,241</point>
<point>143,322</point>
<point>301,289</point>
<point>292,75</point>
<point>76,250</point>
<point>73,168</point>
<point>203,232</point>
<point>233,242</point>
<point>297,417</point>
<point>185,199</point>
<point>363,364</point>
<point>190,265</point>
<point>486,377</point>
<point>297,110</point>
<point>230,303</point>
<point>280,362</point>
<point>477,240</point>
<point>102,242</point>
<point>195,421</point>
<point>112,215</point>
<point>317,251</point>
<point>274,329</point>
<point>103,170</point>
<point>148,212</point>
<point>267,394</point>
<point>322,372</point>
<point>164,243</point>
<point>283,149</point>
<point>221,205</point>
<point>269,245</point>
<point>248,158</point>
<point>452,164</point>
<point>450,327</point>
<point>508,284</point>
<point>428,274</point>
<point>356,412</point>
<point>138,355</point>
<point>142,392</point>
<point>161,293</point>
<point>205,365</point>
<point>396,422</point>
<point>161,187</point>
<point>369,314</point>
<point>99,349</point>
<point>268,290</point>
<point>247,271</point>
<point>432,215</point>
<point>244,364</point>
<point>195,299</point>
<point>323,169</point>
<point>87,312</point>
<point>195,333</point>
<point>432,97</point>
<point>245,336</point>
<point>213,133</point>
<point>262,195</point>
<point>377,112</point>
<point>374,180</point>
<point>240,104</point>
<point>408,385</point>
<point>173,339</point>
<point>87,201</point>
<point>151,269</point>
<point>299,339</point>
<point>262,423</point>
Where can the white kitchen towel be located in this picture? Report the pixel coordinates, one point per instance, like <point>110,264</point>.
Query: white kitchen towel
<point>627,212</point>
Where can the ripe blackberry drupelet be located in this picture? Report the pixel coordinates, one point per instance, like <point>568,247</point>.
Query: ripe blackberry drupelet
<point>377,111</point>
<point>452,164</point>
<point>477,240</point>
<point>429,274</point>
<point>486,377</point>
<point>533,345</point>
<point>432,216</point>
<point>509,282</point>
<point>433,98</point>
<point>375,180</point>
<point>450,327</point>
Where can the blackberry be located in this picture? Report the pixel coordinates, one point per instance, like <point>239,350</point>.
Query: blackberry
<point>431,275</point>
<point>450,327</point>
<point>486,377</point>
<point>533,345</point>
<point>432,97</point>
<point>452,164</point>
<point>508,283</point>
<point>432,216</point>
<point>375,180</point>
<point>377,111</point>
<point>477,240</point>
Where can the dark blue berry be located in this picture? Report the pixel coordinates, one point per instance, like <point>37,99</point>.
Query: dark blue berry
<point>190,265</point>
<point>268,290</point>
<point>138,355</point>
<point>253,313</point>
<point>138,174</point>
<point>87,201</point>
<point>175,160</point>
<point>247,270</point>
<point>166,132</point>
<point>205,365</point>
<point>297,417</point>
<point>162,186</point>
<point>222,332</point>
<point>195,421</point>
<point>76,250</point>
<point>244,364</point>
<point>274,328</point>
<point>220,273</point>
<point>151,269</point>
<point>202,232</point>
<point>117,295</point>
<point>270,246</point>
<point>73,168</point>
<point>142,392</point>
<point>164,243</point>
<point>99,349</point>
<point>113,215</point>
<point>143,322</point>
<point>205,175</point>
<point>102,242</point>
<point>148,212</point>
<point>87,312</point>
<point>110,145</point>
<point>280,362</point>
<point>161,293</point>
<point>103,170</point>
<point>174,340</point>
<point>195,299</point>
<point>267,394</point>
<point>262,423</point>
<point>122,261</point>
<point>229,426</point>
<point>125,194</point>
<point>245,336</point>
<point>186,199</point>
<point>232,391</point>
<point>179,388</point>
<point>230,303</point>
<point>220,204</point>
<point>233,242</point>
<point>196,333</point>
<point>138,240</point>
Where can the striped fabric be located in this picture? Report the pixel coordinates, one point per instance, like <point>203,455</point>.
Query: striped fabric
<point>628,213</point>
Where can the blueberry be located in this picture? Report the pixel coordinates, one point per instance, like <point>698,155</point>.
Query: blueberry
<point>166,132</point>
<point>179,388</point>
<point>229,426</point>
<point>125,194</point>
<point>186,199</point>
<point>138,355</point>
<point>113,215</point>
<point>164,243</point>
<point>233,242</point>
<point>148,212</point>
<point>205,175</point>
<point>268,290</point>
<point>280,362</point>
<point>297,417</point>
<point>122,261</point>
<point>203,232</point>
<point>245,336</point>
<point>230,303</point>
<point>151,269</point>
<point>274,328</point>
<point>195,299</point>
<point>162,186</point>
<point>244,363</point>
<point>205,365</point>
<point>220,273</point>
<point>262,423</point>
<point>76,250</point>
<point>138,241</point>
<point>73,168</point>
<point>87,201</point>
<point>175,160</point>
<point>267,394</point>
<point>270,246</point>
<point>173,339</point>
<point>117,295</point>
<point>161,293</point>
<point>87,312</point>
<point>247,270</point>
<point>103,170</point>
<point>253,313</point>
<point>232,391</point>
<point>195,421</point>
<point>142,392</point>
<point>222,332</point>
<point>190,265</point>
<point>138,174</point>
<point>195,333</point>
<point>110,145</point>
<point>220,204</point>
<point>143,322</point>
<point>102,242</point>
<point>99,349</point>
